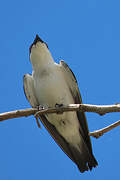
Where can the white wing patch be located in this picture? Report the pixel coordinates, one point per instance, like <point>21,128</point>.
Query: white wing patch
<point>28,85</point>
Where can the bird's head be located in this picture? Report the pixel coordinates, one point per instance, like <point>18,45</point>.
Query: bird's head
<point>39,53</point>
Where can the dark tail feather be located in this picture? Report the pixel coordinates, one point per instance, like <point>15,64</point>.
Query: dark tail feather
<point>83,159</point>
<point>92,163</point>
<point>87,164</point>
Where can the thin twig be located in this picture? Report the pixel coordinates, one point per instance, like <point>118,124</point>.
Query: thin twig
<point>100,109</point>
<point>102,131</point>
<point>17,114</point>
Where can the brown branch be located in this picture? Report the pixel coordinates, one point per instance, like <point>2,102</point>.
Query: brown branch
<point>72,107</point>
<point>17,114</point>
<point>102,131</point>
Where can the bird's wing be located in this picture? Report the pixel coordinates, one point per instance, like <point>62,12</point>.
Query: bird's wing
<point>28,86</point>
<point>83,157</point>
<point>73,86</point>
<point>57,137</point>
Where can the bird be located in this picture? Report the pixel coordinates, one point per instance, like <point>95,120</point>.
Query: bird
<point>54,84</point>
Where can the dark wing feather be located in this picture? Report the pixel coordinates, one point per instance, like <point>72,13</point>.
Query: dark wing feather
<point>73,86</point>
<point>67,148</point>
<point>57,137</point>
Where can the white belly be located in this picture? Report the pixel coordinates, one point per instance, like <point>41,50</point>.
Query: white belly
<point>52,89</point>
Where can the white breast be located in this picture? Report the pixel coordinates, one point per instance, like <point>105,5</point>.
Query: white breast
<point>51,88</point>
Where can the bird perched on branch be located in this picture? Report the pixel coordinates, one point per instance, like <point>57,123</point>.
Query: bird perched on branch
<point>51,85</point>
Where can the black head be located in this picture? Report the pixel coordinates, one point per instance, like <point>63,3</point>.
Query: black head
<point>37,39</point>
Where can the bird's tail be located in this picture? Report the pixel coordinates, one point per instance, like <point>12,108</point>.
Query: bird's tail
<point>83,158</point>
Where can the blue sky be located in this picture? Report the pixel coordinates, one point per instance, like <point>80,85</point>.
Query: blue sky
<point>86,34</point>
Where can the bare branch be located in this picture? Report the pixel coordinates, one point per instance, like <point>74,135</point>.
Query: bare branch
<point>100,109</point>
<point>17,114</point>
<point>100,132</point>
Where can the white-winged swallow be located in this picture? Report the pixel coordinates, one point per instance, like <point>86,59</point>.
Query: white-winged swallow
<point>54,84</point>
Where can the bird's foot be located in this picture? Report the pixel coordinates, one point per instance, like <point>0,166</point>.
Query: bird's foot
<point>59,106</point>
<point>36,115</point>
<point>40,107</point>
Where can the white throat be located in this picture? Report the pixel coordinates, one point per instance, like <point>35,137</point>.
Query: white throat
<point>40,56</point>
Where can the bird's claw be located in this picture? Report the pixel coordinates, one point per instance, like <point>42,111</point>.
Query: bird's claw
<point>59,106</point>
<point>36,115</point>
<point>40,107</point>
